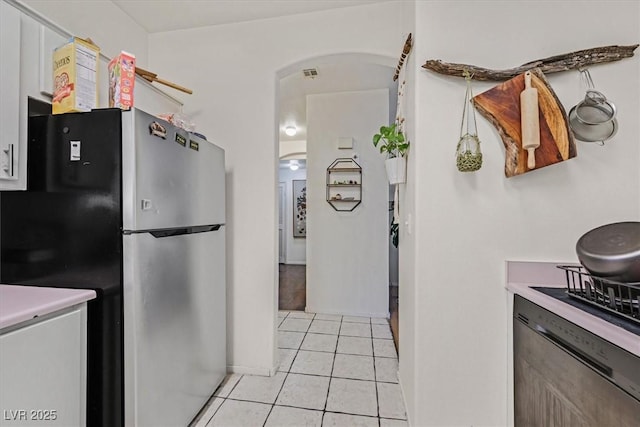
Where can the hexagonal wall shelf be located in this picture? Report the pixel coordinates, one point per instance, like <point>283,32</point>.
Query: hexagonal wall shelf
<point>344,184</point>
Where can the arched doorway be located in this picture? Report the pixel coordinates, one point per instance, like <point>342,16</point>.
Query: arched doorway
<point>348,73</point>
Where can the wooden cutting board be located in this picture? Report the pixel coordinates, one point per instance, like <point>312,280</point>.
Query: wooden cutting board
<point>501,106</point>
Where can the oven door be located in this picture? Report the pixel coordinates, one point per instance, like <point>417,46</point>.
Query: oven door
<point>554,386</point>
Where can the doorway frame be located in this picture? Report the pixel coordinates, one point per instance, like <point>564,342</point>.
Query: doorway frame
<point>282,222</point>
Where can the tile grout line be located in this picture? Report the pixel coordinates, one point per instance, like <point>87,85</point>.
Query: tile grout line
<point>335,352</point>
<point>212,399</point>
<point>313,409</point>
<point>223,400</point>
<point>286,375</point>
<point>288,371</point>
<point>327,376</point>
<point>216,411</point>
<point>273,405</point>
<point>331,376</point>
<point>333,363</point>
<point>375,375</point>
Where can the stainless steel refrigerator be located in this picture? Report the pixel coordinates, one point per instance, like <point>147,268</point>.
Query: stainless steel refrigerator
<point>128,205</point>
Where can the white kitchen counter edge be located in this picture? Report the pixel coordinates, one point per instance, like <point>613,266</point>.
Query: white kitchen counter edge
<point>21,303</point>
<point>521,276</point>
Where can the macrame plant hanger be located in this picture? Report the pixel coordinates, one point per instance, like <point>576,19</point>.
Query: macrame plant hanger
<point>400,74</point>
<point>468,154</point>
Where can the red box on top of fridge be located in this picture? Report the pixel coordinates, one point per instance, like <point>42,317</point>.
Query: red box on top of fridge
<point>122,77</point>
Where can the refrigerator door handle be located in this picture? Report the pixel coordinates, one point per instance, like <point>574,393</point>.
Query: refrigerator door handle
<point>186,230</point>
<point>179,231</point>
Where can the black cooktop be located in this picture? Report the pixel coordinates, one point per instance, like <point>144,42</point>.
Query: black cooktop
<point>561,294</point>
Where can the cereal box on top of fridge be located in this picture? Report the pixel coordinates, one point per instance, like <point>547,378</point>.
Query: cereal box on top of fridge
<point>122,78</point>
<point>75,76</point>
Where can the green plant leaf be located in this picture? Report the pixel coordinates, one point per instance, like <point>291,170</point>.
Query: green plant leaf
<point>391,141</point>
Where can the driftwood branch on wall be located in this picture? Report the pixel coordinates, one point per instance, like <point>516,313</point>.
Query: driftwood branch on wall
<point>568,61</point>
<point>405,51</point>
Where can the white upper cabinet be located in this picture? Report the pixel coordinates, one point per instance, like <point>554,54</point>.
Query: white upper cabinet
<point>27,43</point>
<point>12,152</point>
<point>49,41</point>
<point>37,43</point>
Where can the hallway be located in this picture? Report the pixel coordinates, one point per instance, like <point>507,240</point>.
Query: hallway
<point>292,293</point>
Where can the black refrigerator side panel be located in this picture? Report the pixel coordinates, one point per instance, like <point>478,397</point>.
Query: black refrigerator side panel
<point>105,364</point>
<point>65,231</point>
<point>66,227</point>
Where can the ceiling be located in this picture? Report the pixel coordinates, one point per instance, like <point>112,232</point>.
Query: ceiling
<point>335,74</point>
<point>159,16</point>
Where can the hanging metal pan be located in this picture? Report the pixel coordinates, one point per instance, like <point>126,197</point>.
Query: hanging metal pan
<point>592,132</point>
<point>594,118</point>
<point>595,109</point>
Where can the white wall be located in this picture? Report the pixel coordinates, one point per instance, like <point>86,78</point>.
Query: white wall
<point>347,252</point>
<point>454,363</point>
<point>296,247</point>
<point>102,21</point>
<point>235,71</point>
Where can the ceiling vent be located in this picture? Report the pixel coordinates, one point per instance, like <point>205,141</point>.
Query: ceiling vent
<point>310,73</point>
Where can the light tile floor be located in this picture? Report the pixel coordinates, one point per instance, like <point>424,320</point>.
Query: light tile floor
<point>339,371</point>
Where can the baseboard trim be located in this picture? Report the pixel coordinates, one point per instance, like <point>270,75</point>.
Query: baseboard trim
<point>384,315</point>
<point>289,262</point>
<point>246,370</point>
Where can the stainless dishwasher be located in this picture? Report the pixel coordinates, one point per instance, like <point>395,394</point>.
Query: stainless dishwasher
<point>566,376</point>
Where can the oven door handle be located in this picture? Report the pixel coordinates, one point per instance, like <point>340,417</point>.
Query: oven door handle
<point>576,352</point>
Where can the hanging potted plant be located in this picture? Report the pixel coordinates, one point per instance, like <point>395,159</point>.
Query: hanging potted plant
<point>393,142</point>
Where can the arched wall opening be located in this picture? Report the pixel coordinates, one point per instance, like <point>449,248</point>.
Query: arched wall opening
<point>331,275</point>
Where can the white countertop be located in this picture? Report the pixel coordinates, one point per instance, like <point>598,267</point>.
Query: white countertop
<point>20,303</point>
<point>521,276</point>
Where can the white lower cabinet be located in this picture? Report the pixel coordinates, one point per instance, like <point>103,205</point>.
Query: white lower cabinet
<point>43,370</point>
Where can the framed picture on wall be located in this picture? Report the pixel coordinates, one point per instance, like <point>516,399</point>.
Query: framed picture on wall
<point>299,208</point>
